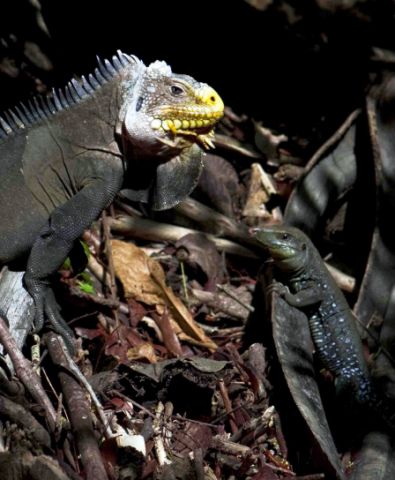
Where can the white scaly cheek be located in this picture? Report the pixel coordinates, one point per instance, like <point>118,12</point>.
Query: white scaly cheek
<point>137,128</point>
<point>145,141</point>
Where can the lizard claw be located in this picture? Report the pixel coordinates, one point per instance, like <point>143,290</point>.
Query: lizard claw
<point>277,288</point>
<point>57,321</point>
<point>46,308</point>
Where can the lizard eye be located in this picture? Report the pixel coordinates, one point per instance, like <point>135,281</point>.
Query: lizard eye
<point>285,236</point>
<point>304,246</point>
<point>176,90</point>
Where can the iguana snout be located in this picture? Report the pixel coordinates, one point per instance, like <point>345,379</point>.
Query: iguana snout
<point>195,117</point>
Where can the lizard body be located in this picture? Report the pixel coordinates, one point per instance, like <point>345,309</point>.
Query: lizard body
<point>308,285</point>
<point>63,159</point>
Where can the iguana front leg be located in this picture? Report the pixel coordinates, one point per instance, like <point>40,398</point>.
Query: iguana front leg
<point>66,223</point>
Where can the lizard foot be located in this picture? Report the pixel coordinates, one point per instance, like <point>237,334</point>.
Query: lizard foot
<point>47,308</point>
<point>278,288</point>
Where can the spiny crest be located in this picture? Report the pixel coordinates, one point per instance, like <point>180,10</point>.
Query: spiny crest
<point>42,107</point>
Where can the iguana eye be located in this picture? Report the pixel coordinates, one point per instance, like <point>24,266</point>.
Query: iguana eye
<point>285,236</point>
<point>176,90</point>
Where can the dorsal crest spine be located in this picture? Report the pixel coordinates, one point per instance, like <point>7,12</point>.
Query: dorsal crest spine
<point>41,107</point>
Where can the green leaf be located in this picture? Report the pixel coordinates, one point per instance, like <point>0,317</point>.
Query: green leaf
<point>86,287</point>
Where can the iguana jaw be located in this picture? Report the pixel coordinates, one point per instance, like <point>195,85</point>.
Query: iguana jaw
<point>194,120</point>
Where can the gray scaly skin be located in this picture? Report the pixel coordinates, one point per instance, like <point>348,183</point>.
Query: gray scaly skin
<point>308,285</point>
<point>65,157</point>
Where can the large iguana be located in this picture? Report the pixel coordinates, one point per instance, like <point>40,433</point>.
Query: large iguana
<point>65,157</point>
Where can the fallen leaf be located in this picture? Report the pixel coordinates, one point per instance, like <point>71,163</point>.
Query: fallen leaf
<point>180,313</point>
<point>196,249</point>
<point>144,279</point>
<point>124,343</point>
<point>143,351</point>
<point>131,267</point>
<point>260,189</point>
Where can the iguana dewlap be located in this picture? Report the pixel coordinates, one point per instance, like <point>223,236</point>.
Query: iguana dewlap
<point>65,157</point>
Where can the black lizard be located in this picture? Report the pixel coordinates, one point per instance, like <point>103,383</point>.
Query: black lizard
<point>308,285</point>
<point>64,158</point>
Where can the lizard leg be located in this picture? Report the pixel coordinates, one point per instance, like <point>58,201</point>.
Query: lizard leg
<point>303,298</point>
<point>56,239</point>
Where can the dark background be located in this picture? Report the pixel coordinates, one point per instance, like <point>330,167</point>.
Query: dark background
<point>300,66</point>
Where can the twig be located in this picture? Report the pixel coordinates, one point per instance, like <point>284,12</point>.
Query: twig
<point>93,239</point>
<point>184,282</point>
<point>59,398</point>
<point>108,251</point>
<point>198,460</point>
<point>344,282</point>
<point>98,271</point>
<point>314,476</point>
<point>155,231</point>
<point>332,140</point>
<point>158,437</point>
<point>385,351</point>
<point>79,411</point>
<point>226,446</point>
<point>133,402</point>
<point>19,415</point>
<point>73,368</point>
<point>277,468</point>
<point>25,372</point>
<point>97,300</point>
<point>250,308</point>
<point>218,223</point>
<point>35,354</point>
<point>280,435</point>
<point>228,406</point>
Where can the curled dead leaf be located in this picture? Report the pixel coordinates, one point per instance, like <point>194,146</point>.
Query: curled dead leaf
<point>143,351</point>
<point>144,279</point>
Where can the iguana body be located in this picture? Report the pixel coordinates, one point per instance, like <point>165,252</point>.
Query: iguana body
<point>308,285</point>
<point>63,160</point>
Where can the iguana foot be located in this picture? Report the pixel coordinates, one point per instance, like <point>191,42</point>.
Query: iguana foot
<point>47,308</point>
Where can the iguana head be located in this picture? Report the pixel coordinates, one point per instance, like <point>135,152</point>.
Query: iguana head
<point>165,118</point>
<point>286,245</point>
<point>168,111</point>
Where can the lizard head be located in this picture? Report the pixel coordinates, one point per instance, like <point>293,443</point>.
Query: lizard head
<point>166,119</point>
<point>169,112</point>
<point>286,245</point>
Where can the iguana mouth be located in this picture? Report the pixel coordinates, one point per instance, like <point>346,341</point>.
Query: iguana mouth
<point>195,120</point>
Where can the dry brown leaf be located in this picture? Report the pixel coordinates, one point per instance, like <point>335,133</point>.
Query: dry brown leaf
<point>259,192</point>
<point>181,314</point>
<point>131,267</point>
<point>143,351</point>
<point>144,279</point>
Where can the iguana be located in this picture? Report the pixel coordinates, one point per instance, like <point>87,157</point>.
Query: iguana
<point>64,157</point>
